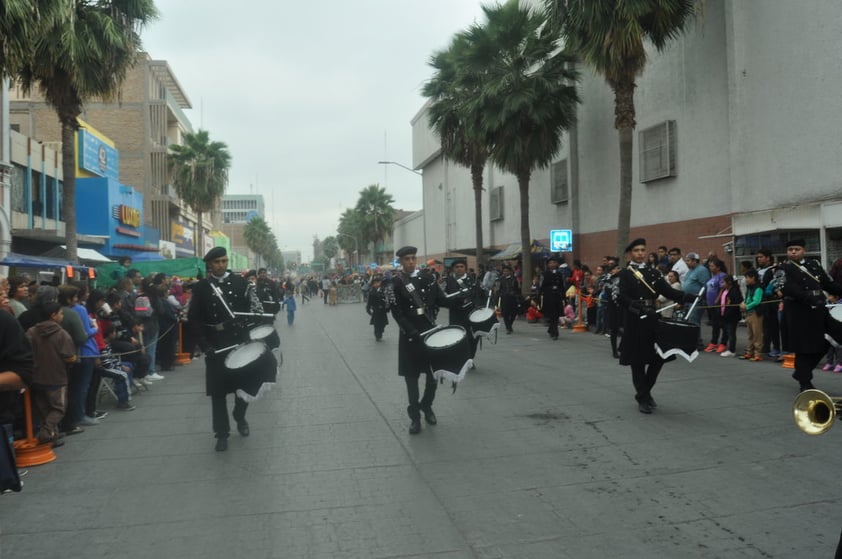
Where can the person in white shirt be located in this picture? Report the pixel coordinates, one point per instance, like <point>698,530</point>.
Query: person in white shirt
<point>678,264</point>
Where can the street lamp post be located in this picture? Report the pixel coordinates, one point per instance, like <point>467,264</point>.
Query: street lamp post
<point>423,206</point>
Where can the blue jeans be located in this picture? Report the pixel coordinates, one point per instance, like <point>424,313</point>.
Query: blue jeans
<point>151,351</point>
<point>79,381</point>
<point>290,317</point>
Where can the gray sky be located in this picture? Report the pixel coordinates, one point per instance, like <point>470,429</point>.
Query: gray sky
<point>308,95</point>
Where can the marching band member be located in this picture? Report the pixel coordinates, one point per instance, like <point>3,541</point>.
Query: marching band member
<point>412,296</point>
<point>639,286</point>
<point>377,307</point>
<point>509,292</point>
<point>552,295</point>
<point>460,285</point>
<point>213,320</point>
<point>802,282</point>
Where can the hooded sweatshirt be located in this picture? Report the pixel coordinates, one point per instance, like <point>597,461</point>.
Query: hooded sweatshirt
<point>51,346</point>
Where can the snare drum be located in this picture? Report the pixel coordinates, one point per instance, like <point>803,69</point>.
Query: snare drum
<point>677,337</point>
<point>251,369</point>
<point>483,320</point>
<point>267,334</point>
<point>448,348</point>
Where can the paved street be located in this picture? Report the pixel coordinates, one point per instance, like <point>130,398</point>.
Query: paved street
<point>541,453</point>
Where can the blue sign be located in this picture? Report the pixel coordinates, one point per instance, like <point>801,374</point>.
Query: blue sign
<point>561,240</point>
<point>97,157</point>
<point>396,263</point>
<point>251,215</point>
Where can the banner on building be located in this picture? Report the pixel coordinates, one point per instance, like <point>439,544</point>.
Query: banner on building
<point>182,236</point>
<point>166,249</point>
<point>97,157</point>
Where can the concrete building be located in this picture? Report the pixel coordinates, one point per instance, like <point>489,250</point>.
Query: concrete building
<point>736,148</point>
<point>236,210</point>
<point>145,118</point>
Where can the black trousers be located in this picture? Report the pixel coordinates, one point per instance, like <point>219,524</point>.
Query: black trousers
<point>771,328</point>
<point>415,405</point>
<point>93,392</point>
<point>644,378</point>
<point>219,410</point>
<point>804,365</point>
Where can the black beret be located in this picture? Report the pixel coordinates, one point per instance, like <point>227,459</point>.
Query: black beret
<point>214,253</point>
<point>796,243</point>
<point>403,251</point>
<point>634,243</point>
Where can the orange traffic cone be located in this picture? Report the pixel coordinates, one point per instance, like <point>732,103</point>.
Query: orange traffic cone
<point>29,452</point>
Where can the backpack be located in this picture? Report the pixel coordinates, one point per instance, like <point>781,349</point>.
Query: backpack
<point>142,306</point>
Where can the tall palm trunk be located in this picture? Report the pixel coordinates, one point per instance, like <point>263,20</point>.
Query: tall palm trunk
<point>624,114</point>
<point>200,238</point>
<point>525,236</point>
<point>68,169</point>
<point>476,179</point>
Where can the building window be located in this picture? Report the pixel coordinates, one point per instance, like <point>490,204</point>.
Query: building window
<point>496,204</point>
<point>558,177</point>
<point>657,147</point>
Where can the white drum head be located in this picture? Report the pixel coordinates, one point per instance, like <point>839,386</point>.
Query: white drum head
<point>480,315</point>
<point>445,337</point>
<point>260,332</point>
<point>836,313</point>
<point>245,355</point>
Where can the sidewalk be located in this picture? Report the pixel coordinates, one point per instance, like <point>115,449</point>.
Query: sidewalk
<point>540,453</point>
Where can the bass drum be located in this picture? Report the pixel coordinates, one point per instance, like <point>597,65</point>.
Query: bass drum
<point>677,337</point>
<point>250,367</point>
<point>448,348</point>
<point>483,320</point>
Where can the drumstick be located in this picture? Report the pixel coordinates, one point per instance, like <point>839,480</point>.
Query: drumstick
<point>266,315</point>
<point>696,302</point>
<point>225,348</point>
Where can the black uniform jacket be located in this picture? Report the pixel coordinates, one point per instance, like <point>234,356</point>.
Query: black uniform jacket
<point>376,306</point>
<point>637,301</point>
<point>805,315</point>
<point>552,291</point>
<point>218,329</point>
<point>411,298</point>
<point>461,292</point>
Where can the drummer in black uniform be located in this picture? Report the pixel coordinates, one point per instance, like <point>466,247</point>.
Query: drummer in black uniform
<point>639,287</point>
<point>218,330</point>
<point>509,294</point>
<point>803,283</point>
<point>377,307</point>
<point>459,285</point>
<point>552,295</point>
<point>411,296</point>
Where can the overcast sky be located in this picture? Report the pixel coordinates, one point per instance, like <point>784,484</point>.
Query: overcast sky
<point>308,95</point>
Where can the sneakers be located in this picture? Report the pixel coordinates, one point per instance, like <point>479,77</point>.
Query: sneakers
<point>756,358</point>
<point>727,353</point>
<point>748,356</point>
<point>710,348</point>
<point>827,367</point>
<point>721,347</point>
<point>146,382</point>
<point>100,414</point>
<point>86,420</point>
<point>125,406</point>
<point>155,376</point>
<point>837,369</point>
<point>137,383</point>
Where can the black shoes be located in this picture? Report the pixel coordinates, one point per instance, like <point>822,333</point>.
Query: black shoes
<point>430,416</point>
<point>221,444</point>
<point>644,407</point>
<point>415,426</point>
<point>243,428</point>
<point>645,404</point>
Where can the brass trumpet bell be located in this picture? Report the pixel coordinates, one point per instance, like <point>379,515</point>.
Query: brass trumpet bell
<point>814,411</point>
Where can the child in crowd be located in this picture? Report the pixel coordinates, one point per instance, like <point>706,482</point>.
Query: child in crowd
<point>120,372</point>
<point>533,314</point>
<point>53,349</point>
<point>754,322</point>
<point>730,299</point>
<point>291,306</point>
<point>834,352</point>
<point>568,319</point>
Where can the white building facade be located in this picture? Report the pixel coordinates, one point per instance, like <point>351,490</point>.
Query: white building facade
<point>740,139</point>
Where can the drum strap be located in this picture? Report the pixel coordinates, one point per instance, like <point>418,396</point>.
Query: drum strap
<point>803,269</point>
<point>641,279</point>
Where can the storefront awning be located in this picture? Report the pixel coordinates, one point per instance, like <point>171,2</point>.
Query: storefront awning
<point>513,251</point>
<point>83,254</point>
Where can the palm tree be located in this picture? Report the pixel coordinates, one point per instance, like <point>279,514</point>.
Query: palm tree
<point>461,133</point>
<point>376,214</point>
<point>78,53</point>
<point>260,238</point>
<point>610,36</point>
<point>330,247</point>
<point>199,173</point>
<point>528,97</point>
<point>350,232</point>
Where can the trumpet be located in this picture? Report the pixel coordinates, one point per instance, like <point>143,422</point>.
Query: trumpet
<point>814,411</point>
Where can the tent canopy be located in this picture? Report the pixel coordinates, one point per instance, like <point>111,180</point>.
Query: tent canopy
<point>87,255</point>
<point>513,251</point>
<point>109,274</point>
<point>29,261</point>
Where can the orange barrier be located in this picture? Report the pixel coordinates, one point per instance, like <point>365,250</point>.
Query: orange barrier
<point>29,452</point>
<point>580,323</point>
<point>789,361</point>
<point>181,358</point>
